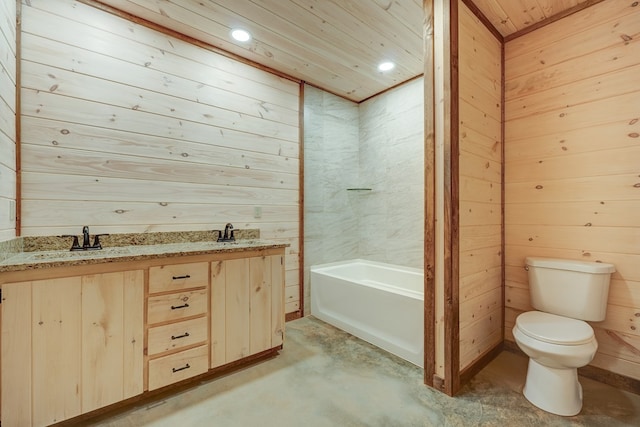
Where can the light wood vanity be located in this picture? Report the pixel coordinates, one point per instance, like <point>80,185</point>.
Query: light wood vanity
<point>78,336</point>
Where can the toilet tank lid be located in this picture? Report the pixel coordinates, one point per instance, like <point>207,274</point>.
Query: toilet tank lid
<point>570,264</point>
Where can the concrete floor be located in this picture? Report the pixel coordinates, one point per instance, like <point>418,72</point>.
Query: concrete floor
<point>326,377</point>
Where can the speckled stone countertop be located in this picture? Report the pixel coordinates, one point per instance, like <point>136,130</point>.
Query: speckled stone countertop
<point>46,252</point>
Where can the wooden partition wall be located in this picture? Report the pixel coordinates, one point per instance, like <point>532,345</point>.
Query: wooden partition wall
<point>479,188</point>
<point>463,237</point>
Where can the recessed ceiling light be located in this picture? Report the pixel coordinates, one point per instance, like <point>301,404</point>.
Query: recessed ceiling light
<point>386,66</point>
<point>241,35</point>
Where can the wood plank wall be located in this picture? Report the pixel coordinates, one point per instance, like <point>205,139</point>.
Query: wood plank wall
<point>573,163</point>
<point>480,194</point>
<point>7,118</point>
<point>126,129</point>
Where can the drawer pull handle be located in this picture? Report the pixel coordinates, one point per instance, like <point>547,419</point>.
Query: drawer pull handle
<point>180,369</point>
<point>186,276</point>
<point>175,307</point>
<point>175,337</point>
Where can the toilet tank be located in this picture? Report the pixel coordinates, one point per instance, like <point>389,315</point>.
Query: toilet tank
<point>576,289</point>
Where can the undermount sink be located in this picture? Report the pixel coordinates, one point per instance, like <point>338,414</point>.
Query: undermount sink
<point>57,255</point>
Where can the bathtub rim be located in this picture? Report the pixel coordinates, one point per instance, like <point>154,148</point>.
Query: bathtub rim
<point>318,269</point>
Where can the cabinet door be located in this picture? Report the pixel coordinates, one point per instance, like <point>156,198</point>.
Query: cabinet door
<point>41,363</point>
<point>247,307</point>
<point>260,304</point>
<point>16,354</point>
<point>218,314</point>
<point>277,300</point>
<point>63,337</point>
<point>56,362</point>
<point>112,337</point>
<point>237,297</point>
<point>230,298</point>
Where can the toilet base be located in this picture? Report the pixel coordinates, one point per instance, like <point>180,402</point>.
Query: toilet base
<point>553,390</point>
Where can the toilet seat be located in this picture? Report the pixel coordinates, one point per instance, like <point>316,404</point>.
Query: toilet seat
<point>554,329</point>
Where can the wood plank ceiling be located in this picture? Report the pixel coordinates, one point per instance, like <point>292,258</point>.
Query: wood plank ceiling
<point>333,44</point>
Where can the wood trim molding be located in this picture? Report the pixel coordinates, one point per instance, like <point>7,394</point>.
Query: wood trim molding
<point>470,371</point>
<point>451,215</point>
<point>622,382</point>
<point>429,200</point>
<point>551,19</point>
<point>301,200</point>
<point>18,217</point>
<point>482,17</point>
<point>503,233</point>
<point>293,316</point>
<point>164,30</point>
<point>397,85</point>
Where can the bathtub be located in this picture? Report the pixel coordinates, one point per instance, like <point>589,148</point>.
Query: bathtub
<point>379,303</point>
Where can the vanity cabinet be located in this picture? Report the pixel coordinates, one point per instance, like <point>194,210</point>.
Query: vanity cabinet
<point>76,338</point>
<point>177,323</point>
<point>70,345</point>
<point>247,307</point>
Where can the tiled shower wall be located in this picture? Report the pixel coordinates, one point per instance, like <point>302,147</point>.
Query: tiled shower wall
<point>391,216</point>
<point>378,144</point>
<point>330,167</point>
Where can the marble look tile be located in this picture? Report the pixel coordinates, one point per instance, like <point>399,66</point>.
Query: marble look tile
<point>377,144</point>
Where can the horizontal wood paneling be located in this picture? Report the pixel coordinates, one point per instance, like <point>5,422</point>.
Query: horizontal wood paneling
<point>573,161</point>
<point>589,28</point>
<point>7,117</point>
<point>334,45</point>
<point>509,16</point>
<point>480,199</point>
<point>130,130</point>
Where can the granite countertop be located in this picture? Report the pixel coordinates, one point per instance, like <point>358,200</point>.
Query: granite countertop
<point>126,248</point>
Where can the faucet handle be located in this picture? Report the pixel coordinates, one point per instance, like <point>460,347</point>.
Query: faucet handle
<point>75,246</point>
<point>96,240</point>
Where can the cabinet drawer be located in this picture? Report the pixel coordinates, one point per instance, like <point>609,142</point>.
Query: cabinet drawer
<point>177,367</point>
<point>178,276</point>
<point>177,335</point>
<point>163,308</point>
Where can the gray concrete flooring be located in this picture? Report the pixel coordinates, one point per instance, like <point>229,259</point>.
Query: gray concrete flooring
<point>326,377</point>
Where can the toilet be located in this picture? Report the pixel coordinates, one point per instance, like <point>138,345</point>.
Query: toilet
<point>556,337</point>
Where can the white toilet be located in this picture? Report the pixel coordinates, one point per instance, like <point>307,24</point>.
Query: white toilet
<point>556,342</point>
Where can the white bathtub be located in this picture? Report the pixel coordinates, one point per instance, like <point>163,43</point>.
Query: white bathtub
<point>379,303</point>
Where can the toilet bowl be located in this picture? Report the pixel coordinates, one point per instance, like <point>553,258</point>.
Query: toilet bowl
<point>556,347</point>
<point>556,337</point>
